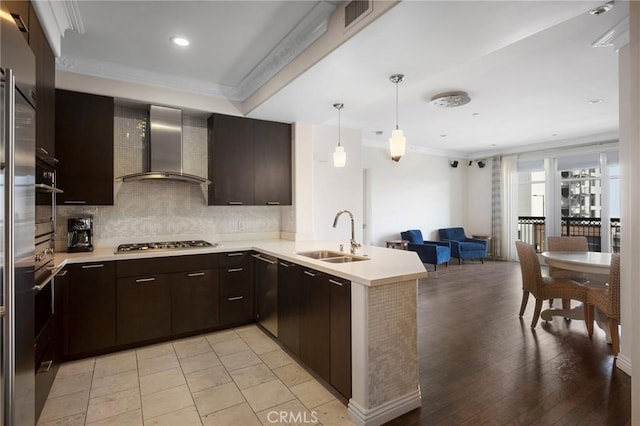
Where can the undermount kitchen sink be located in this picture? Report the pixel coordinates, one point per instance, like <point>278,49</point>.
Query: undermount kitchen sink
<point>332,256</point>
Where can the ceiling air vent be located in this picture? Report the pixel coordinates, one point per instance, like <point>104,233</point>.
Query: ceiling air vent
<point>355,10</point>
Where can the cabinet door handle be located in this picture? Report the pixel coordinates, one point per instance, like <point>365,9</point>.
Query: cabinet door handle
<point>42,150</point>
<point>235,203</point>
<point>145,280</point>
<point>234,254</point>
<point>45,366</point>
<point>21,25</point>
<point>257,256</point>
<point>235,298</point>
<point>196,274</point>
<point>273,203</point>
<point>63,273</point>
<point>75,202</point>
<point>311,274</point>
<point>99,265</point>
<point>284,264</point>
<point>335,282</point>
<point>235,270</point>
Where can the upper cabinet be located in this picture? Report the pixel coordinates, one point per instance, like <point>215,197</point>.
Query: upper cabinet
<point>249,161</point>
<point>45,91</point>
<point>272,163</point>
<point>84,148</point>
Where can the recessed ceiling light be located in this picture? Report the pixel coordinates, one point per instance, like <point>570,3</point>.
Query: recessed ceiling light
<point>494,144</point>
<point>379,132</point>
<point>554,134</point>
<point>180,41</point>
<point>595,101</point>
<point>443,136</point>
<point>601,9</point>
<point>476,113</point>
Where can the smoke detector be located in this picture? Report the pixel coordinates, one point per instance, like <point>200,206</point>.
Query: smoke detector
<point>450,99</point>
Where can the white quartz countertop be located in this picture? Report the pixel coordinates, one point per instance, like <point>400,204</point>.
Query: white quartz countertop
<point>384,266</point>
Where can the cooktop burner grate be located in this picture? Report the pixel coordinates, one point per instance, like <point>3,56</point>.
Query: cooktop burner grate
<point>164,245</point>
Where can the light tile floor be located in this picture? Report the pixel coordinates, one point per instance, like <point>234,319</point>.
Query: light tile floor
<point>232,377</point>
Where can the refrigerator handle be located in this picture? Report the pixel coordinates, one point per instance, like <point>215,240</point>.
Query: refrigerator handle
<point>8,347</point>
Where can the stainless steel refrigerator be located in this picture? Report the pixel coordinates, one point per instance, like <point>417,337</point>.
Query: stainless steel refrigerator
<point>17,223</point>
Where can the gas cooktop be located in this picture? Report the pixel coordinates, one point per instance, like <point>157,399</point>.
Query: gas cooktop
<point>164,245</point>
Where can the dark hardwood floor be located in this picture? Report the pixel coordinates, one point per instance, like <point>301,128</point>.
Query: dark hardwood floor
<point>482,364</point>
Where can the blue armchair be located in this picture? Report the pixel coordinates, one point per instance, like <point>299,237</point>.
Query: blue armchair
<point>463,247</point>
<point>431,252</point>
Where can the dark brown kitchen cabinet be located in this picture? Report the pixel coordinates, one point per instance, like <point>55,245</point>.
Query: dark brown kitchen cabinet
<point>230,160</point>
<point>143,308</point>
<point>249,161</point>
<point>236,291</point>
<point>289,305</point>
<point>194,300</point>
<point>272,162</point>
<point>340,335</point>
<point>315,322</point>
<point>48,343</point>
<point>45,91</point>
<point>89,318</point>
<point>84,148</point>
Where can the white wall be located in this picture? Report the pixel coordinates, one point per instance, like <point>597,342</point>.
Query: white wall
<point>420,191</point>
<point>336,188</point>
<point>478,210</point>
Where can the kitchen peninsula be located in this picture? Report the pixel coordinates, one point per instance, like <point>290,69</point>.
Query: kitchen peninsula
<point>384,358</point>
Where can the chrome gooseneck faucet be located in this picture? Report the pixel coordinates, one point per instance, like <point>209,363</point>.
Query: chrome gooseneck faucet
<point>354,243</point>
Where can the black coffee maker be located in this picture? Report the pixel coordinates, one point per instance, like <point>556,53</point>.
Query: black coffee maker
<point>80,235</point>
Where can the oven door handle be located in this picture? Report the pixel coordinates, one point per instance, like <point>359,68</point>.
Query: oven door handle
<point>48,188</point>
<point>38,288</point>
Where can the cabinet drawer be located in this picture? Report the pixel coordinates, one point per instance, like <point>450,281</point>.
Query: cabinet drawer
<point>165,265</point>
<point>234,259</point>
<point>235,309</point>
<point>234,281</point>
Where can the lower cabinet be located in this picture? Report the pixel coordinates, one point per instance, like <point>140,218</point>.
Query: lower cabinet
<point>194,300</point>
<point>289,305</point>
<point>90,309</point>
<point>236,291</point>
<point>143,308</point>
<point>314,313</point>
<point>340,335</point>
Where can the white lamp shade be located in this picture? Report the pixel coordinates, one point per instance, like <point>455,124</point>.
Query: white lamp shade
<point>339,157</point>
<point>397,144</point>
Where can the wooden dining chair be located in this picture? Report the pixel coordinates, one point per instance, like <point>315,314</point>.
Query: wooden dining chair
<point>543,287</point>
<point>606,299</point>
<point>575,243</point>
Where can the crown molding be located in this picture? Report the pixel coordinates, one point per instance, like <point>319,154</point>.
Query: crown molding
<point>128,74</point>
<point>56,17</point>
<point>308,30</point>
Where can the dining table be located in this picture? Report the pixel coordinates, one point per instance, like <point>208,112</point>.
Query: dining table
<point>595,265</point>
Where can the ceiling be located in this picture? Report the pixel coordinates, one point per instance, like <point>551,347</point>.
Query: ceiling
<point>528,67</point>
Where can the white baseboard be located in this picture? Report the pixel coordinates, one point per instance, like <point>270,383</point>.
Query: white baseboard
<point>383,413</point>
<point>624,364</point>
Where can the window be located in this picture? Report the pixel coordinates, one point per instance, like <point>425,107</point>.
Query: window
<point>581,193</point>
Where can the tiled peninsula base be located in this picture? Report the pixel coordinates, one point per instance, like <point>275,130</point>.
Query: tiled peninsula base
<point>385,377</point>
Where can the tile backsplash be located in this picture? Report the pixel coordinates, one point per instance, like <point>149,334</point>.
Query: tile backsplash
<point>160,210</point>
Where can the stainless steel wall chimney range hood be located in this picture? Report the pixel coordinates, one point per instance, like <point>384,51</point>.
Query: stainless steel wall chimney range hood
<point>165,149</point>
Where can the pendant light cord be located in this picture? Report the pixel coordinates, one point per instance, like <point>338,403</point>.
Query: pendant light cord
<point>339,126</point>
<point>397,105</point>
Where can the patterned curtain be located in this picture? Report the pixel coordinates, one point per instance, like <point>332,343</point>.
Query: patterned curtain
<point>496,206</point>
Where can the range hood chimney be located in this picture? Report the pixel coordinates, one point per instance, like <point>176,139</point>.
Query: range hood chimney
<point>165,148</point>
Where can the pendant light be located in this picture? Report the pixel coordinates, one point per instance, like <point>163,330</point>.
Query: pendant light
<point>397,141</point>
<point>339,156</point>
